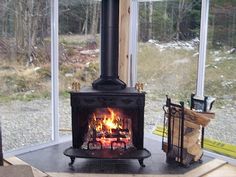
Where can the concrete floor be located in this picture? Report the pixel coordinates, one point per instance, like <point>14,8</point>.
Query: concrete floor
<point>51,159</point>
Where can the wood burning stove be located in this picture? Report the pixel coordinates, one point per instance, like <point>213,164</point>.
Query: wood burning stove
<point>108,118</point>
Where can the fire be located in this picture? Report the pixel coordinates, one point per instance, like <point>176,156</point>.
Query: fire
<point>109,121</point>
<point>110,127</point>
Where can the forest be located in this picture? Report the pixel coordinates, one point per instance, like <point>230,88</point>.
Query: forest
<point>25,24</point>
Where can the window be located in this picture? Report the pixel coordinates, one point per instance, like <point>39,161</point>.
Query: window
<point>221,70</point>
<point>167,53</point>
<point>79,25</point>
<point>25,73</point>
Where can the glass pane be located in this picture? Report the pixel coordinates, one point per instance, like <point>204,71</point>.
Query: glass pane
<point>220,80</point>
<point>25,74</point>
<point>79,25</point>
<point>167,53</point>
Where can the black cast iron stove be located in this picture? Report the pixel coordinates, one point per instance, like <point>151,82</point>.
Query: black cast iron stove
<point>108,118</point>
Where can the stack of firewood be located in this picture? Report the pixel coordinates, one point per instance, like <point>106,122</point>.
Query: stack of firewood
<point>193,123</point>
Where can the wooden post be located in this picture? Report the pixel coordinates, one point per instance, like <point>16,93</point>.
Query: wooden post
<point>124,23</point>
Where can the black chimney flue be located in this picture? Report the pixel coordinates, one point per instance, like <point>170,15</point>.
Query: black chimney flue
<point>109,79</point>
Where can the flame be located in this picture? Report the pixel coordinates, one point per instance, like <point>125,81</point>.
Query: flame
<point>107,123</point>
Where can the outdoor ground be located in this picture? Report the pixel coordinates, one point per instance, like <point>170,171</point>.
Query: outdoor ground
<point>165,68</point>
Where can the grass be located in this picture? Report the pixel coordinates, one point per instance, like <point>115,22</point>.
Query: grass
<point>173,72</point>
<point>170,72</point>
<point>19,82</point>
<point>77,40</point>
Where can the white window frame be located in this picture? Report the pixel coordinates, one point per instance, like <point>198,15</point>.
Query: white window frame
<point>132,66</point>
<point>55,139</point>
<point>55,69</point>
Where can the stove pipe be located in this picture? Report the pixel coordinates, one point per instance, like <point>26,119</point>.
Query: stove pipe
<point>109,79</point>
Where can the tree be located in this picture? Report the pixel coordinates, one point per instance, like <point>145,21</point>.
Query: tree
<point>184,7</point>
<point>24,22</point>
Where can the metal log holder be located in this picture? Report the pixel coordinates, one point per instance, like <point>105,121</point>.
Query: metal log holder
<point>173,112</point>
<point>173,134</point>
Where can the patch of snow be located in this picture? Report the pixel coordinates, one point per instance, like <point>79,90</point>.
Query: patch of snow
<point>181,61</point>
<point>37,68</point>
<point>196,54</point>
<point>90,52</point>
<point>68,75</point>
<point>87,64</point>
<point>231,51</point>
<point>187,45</point>
<point>218,59</point>
<point>227,83</point>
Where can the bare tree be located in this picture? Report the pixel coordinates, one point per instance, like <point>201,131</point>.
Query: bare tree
<point>150,20</point>
<point>95,19</point>
<point>27,17</point>
<point>184,6</point>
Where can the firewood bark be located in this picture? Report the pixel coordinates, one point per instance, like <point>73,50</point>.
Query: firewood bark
<point>195,117</point>
<point>210,115</point>
<point>187,123</point>
<point>189,139</point>
<point>195,149</point>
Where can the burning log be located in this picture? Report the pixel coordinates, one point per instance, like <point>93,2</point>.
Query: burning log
<point>110,128</point>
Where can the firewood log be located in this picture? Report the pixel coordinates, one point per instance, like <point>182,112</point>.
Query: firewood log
<point>198,156</point>
<point>189,139</point>
<point>187,123</point>
<point>210,115</point>
<point>175,154</point>
<point>188,126</point>
<point>165,147</point>
<point>194,150</point>
<point>195,117</point>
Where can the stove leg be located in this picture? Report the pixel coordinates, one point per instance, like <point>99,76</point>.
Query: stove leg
<point>72,161</point>
<point>141,163</point>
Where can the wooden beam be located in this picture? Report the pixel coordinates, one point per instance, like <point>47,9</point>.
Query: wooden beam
<point>54,174</point>
<point>205,168</point>
<point>17,161</point>
<point>226,170</point>
<point>124,23</point>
